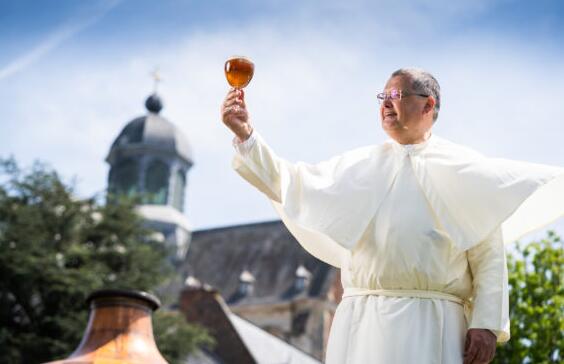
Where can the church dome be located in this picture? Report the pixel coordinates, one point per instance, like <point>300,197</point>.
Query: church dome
<point>151,132</point>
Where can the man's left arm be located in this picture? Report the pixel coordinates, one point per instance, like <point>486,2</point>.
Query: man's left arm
<point>489,320</point>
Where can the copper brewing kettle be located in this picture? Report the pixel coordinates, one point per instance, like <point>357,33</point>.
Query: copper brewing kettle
<point>119,330</point>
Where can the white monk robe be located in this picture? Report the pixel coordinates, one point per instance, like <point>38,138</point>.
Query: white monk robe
<point>389,217</point>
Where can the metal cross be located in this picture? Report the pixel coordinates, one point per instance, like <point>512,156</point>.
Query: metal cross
<point>156,78</point>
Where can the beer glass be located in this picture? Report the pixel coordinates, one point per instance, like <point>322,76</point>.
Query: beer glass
<point>239,71</point>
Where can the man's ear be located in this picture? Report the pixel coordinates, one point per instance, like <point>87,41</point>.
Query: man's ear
<point>429,105</point>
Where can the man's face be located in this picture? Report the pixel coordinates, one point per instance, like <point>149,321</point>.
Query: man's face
<point>407,118</point>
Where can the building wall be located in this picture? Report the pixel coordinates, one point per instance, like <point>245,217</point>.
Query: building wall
<point>303,322</point>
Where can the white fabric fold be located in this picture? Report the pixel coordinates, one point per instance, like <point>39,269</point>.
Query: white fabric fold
<point>327,206</point>
<point>473,195</point>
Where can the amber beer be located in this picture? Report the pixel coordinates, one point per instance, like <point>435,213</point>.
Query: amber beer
<point>239,71</point>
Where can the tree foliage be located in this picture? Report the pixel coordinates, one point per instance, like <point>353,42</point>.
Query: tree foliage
<point>56,250</point>
<point>172,337</point>
<point>536,299</point>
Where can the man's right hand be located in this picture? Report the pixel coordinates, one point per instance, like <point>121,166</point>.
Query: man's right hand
<point>234,114</point>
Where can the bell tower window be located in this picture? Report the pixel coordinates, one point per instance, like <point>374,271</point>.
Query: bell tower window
<point>156,183</point>
<point>124,176</point>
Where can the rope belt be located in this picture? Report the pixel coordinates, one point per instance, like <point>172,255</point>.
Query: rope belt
<point>414,293</point>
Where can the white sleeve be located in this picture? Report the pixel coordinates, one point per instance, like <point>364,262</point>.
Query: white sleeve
<point>258,164</point>
<point>243,147</point>
<point>490,306</point>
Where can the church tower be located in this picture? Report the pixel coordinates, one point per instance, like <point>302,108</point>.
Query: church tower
<point>150,158</point>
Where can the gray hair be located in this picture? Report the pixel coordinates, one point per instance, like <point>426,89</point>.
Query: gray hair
<point>423,82</point>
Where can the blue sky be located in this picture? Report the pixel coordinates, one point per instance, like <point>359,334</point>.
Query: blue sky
<point>73,73</point>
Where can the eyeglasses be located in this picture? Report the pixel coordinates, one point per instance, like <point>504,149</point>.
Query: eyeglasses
<point>396,95</point>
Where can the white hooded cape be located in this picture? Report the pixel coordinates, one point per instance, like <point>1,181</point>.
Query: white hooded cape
<point>327,206</point>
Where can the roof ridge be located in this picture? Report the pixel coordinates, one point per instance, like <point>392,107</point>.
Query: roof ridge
<point>245,225</point>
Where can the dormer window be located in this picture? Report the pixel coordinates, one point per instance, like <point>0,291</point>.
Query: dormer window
<point>246,282</point>
<point>302,278</point>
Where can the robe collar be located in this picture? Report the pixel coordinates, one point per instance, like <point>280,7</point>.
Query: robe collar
<point>411,149</point>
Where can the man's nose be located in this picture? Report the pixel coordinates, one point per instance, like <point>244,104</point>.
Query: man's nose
<point>387,103</point>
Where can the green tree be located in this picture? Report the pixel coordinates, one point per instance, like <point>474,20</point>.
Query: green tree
<point>171,336</point>
<point>536,299</point>
<point>56,250</point>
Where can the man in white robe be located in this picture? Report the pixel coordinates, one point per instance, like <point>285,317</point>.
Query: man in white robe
<point>417,226</point>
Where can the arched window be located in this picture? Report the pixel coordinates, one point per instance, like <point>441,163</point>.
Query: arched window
<point>124,177</point>
<point>156,183</point>
<point>179,186</point>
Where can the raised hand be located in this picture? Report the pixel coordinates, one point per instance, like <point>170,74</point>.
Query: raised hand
<point>234,114</point>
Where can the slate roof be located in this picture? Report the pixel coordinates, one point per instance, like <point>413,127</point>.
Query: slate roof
<point>267,250</point>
